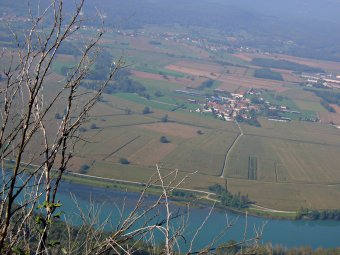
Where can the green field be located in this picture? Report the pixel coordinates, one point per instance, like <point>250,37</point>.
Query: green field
<point>288,154</point>
<point>310,106</point>
<point>279,165</point>
<point>136,137</point>
<point>281,160</point>
<point>277,155</point>
<point>204,154</point>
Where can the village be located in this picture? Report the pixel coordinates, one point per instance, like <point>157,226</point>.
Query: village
<point>243,107</point>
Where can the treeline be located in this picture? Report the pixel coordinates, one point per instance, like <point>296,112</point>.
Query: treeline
<point>328,96</point>
<point>155,43</point>
<point>304,213</point>
<point>6,36</point>
<point>68,48</point>
<point>228,199</point>
<point>125,85</point>
<point>102,66</point>
<point>206,84</point>
<point>267,73</point>
<point>284,64</point>
<point>182,194</point>
<point>327,106</point>
<point>121,81</point>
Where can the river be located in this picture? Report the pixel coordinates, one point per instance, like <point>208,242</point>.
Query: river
<point>277,232</point>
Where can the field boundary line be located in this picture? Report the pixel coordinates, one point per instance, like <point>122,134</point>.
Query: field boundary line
<point>231,149</point>
<point>121,147</point>
<point>160,102</point>
<point>293,140</point>
<point>134,124</point>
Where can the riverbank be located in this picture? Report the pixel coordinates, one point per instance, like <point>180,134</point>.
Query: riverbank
<point>110,196</point>
<point>284,233</point>
<point>182,196</point>
<point>194,198</point>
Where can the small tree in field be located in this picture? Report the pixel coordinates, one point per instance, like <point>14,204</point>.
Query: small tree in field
<point>165,118</point>
<point>84,168</point>
<point>164,139</point>
<point>146,110</point>
<point>124,161</point>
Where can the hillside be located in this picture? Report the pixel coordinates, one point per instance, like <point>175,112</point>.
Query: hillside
<point>290,27</point>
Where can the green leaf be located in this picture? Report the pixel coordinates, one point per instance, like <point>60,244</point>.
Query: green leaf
<point>38,220</point>
<point>57,215</point>
<point>63,250</point>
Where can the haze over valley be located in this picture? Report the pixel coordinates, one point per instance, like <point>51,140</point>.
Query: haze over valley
<point>240,98</point>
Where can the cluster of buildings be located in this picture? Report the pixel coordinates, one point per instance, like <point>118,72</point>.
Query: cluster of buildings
<point>321,80</point>
<point>229,106</point>
<point>199,41</point>
<point>243,106</point>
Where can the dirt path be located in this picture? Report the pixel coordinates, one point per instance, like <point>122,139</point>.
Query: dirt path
<point>138,183</point>
<point>231,149</point>
<point>160,102</point>
<point>264,209</point>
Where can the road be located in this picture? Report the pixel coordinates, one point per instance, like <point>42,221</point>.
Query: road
<point>264,209</point>
<point>231,149</point>
<point>205,193</point>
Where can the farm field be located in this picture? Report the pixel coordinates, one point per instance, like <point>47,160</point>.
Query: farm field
<point>204,154</point>
<point>314,133</point>
<point>296,93</point>
<point>285,161</point>
<point>328,117</point>
<point>159,77</point>
<point>300,156</point>
<point>300,171</point>
<point>231,78</point>
<point>279,165</point>
<point>310,106</point>
<point>288,196</point>
<point>136,137</point>
<point>327,65</point>
<point>139,173</point>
